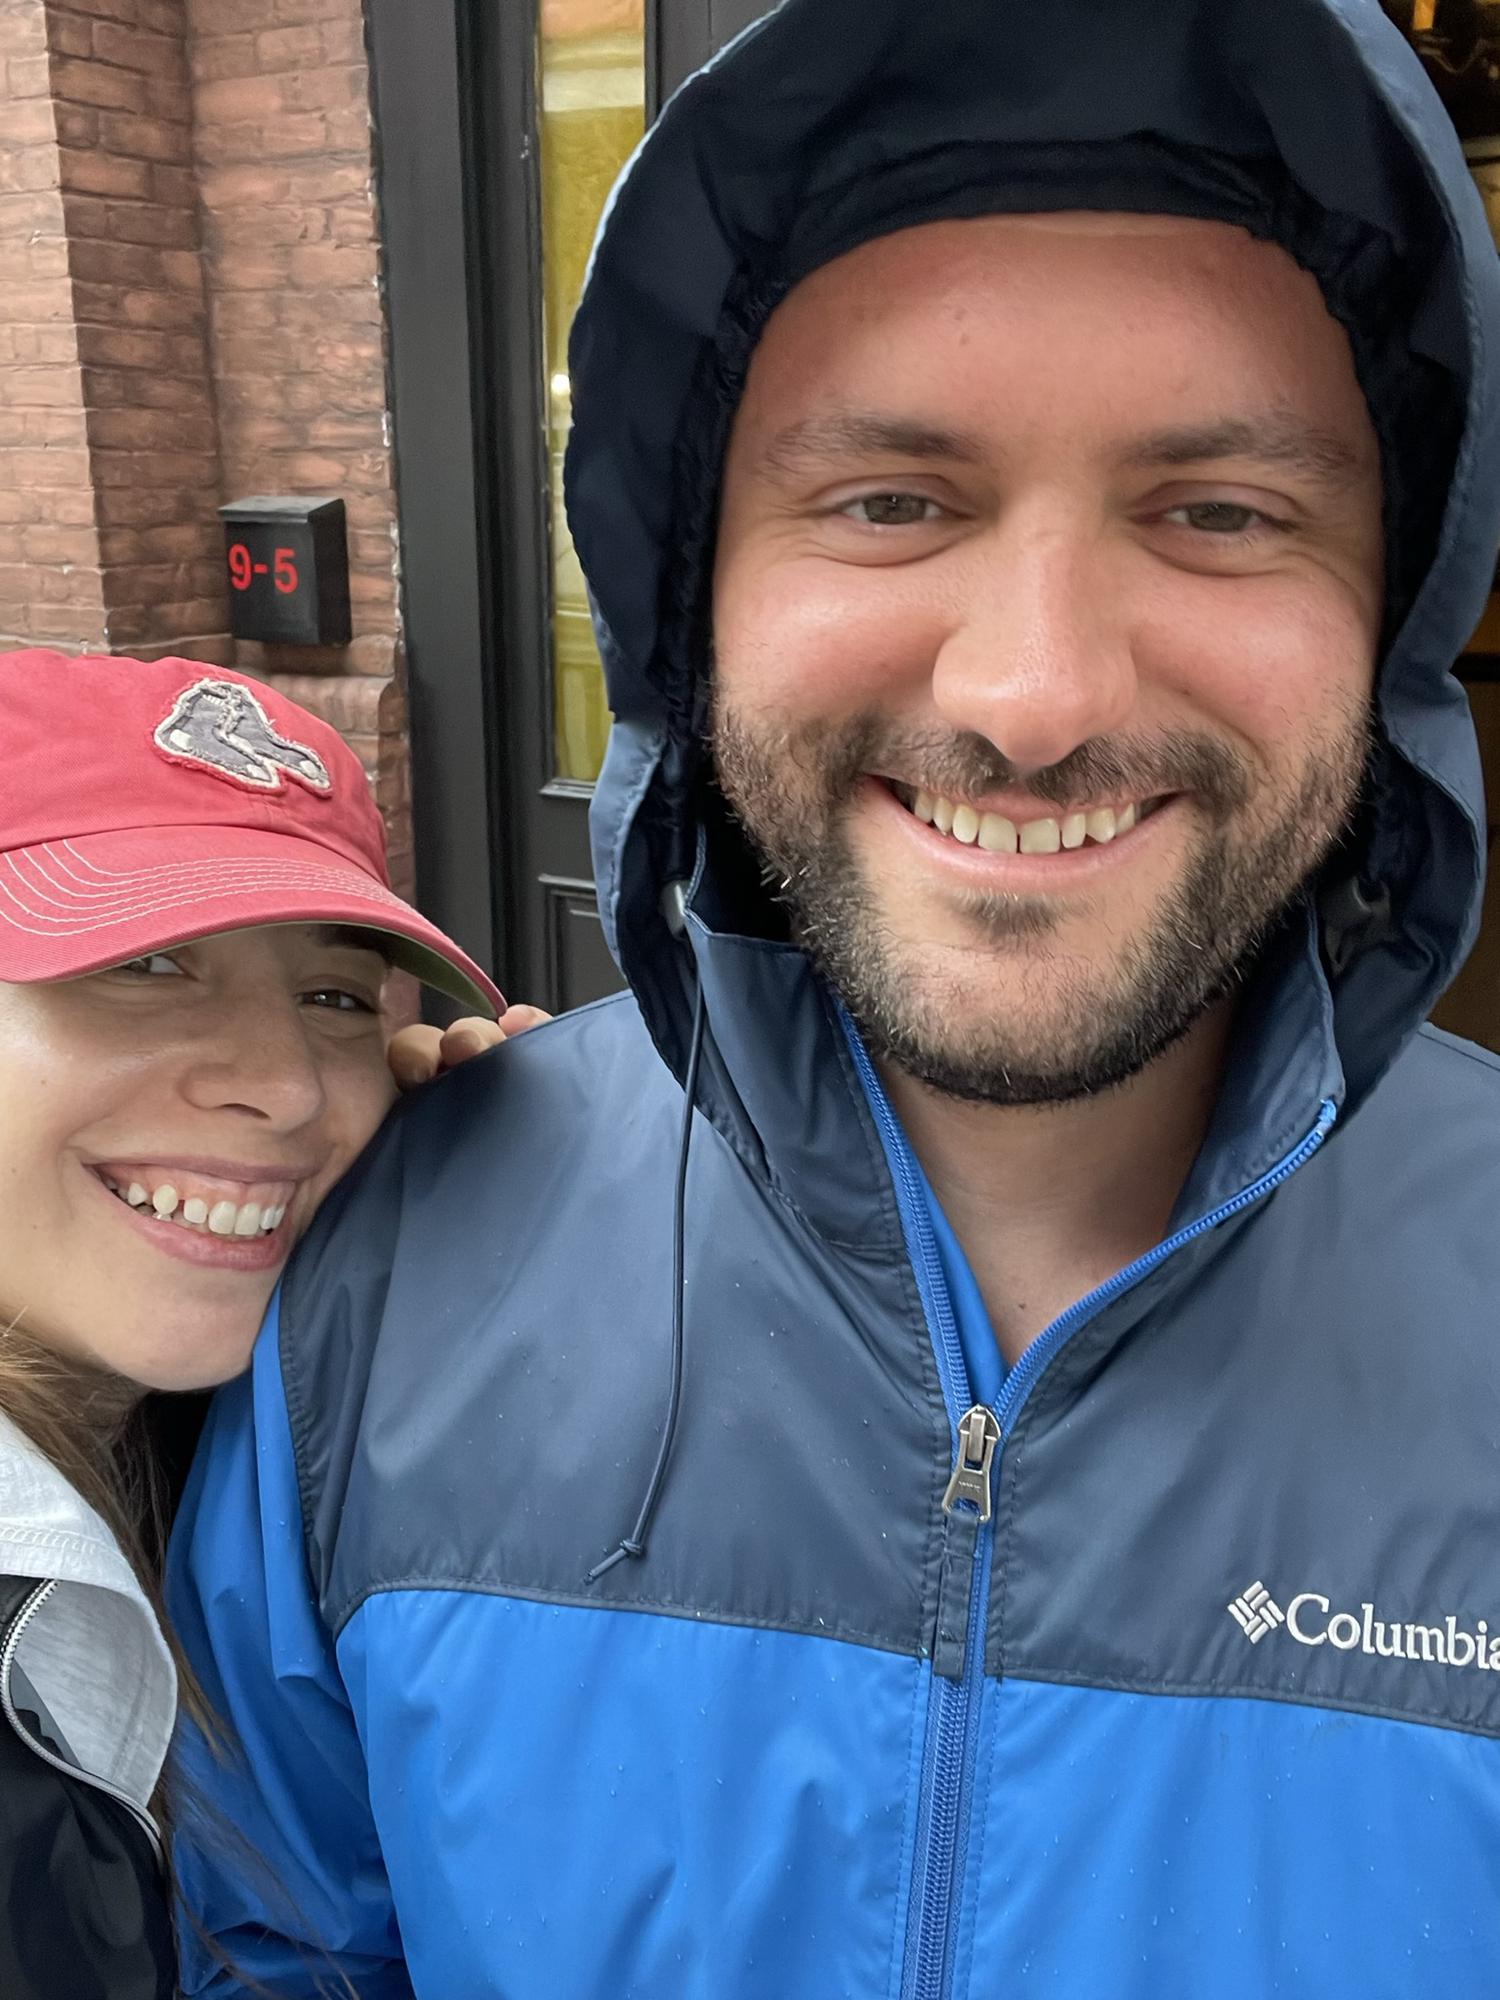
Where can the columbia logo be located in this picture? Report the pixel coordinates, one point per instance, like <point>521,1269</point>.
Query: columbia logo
<point>1256,1612</point>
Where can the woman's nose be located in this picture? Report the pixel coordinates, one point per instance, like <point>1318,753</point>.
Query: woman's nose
<point>258,1060</point>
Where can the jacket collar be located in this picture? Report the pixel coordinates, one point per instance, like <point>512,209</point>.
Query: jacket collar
<point>93,1650</point>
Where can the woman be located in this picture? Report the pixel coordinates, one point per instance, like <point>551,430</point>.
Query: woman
<point>195,935</point>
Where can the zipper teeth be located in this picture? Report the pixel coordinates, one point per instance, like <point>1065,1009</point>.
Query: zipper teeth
<point>957,1728</point>
<point>941,1803</point>
<point>12,1646</point>
<point>1023,1377</point>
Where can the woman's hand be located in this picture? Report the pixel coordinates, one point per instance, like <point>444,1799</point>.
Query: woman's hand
<point>418,1054</point>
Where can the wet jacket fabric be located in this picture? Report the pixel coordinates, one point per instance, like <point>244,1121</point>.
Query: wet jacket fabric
<point>1208,1703</point>
<point>87,1697</point>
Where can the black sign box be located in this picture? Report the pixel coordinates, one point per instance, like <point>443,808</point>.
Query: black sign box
<point>288,564</point>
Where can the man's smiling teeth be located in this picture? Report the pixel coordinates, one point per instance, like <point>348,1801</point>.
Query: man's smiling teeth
<point>998,835</point>
<point>219,1218</point>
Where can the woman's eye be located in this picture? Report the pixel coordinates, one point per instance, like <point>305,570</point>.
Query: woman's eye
<point>890,510</point>
<point>1218,517</point>
<point>155,965</point>
<point>337,1000</point>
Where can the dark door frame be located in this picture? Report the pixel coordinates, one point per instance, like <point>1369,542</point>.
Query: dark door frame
<point>454,89</point>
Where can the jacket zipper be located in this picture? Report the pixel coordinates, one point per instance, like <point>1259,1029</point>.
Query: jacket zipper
<point>952,1732</point>
<point>28,1610</point>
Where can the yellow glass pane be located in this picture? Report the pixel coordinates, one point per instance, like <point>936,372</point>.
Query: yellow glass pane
<point>593,114</point>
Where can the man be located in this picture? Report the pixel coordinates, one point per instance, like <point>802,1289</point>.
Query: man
<point>1019,1517</point>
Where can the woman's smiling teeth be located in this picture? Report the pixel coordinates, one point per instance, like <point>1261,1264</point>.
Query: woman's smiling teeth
<point>210,1213</point>
<point>998,835</point>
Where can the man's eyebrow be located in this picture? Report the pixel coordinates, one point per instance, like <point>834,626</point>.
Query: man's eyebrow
<point>863,434</point>
<point>1273,439</point>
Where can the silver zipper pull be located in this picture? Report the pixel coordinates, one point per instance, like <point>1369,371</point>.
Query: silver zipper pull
<point>978,1435</point>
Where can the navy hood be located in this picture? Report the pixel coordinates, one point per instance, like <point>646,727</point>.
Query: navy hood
<point>831,121</point>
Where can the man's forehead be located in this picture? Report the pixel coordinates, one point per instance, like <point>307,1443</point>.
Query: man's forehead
<point>1201,342</point>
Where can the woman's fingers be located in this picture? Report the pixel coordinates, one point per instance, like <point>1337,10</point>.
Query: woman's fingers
<point>420,1053</point>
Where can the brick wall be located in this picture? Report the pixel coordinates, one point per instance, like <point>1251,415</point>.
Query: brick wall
<point>190,312</point>
<point>51,586</point>
<point>296,331</point>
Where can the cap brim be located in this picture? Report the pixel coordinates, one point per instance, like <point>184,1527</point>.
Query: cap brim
<point>68,907</point>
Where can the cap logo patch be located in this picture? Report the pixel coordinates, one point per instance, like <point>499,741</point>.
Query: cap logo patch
<point>222,727</point>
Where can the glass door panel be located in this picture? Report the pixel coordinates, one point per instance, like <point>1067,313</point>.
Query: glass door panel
<point>593,112</point>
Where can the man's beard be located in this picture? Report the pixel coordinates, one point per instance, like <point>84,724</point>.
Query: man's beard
<point>1079,1026</point>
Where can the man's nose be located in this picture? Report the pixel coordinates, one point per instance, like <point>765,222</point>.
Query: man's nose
<point>258,1060</point>
<point>1038,657</point>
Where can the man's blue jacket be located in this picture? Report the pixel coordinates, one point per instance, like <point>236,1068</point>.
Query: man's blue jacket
<point>1207,1708</point>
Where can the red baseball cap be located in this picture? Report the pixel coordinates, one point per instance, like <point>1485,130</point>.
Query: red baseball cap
<point>147,803</point>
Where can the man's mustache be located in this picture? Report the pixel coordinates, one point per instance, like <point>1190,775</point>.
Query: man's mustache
<point>964,765</point>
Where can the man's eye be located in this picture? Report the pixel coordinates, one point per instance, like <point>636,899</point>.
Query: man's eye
<point>890,510</point>
<point>1218,517</point>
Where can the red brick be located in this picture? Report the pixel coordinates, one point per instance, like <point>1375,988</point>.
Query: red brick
<point>113,305</point>
<point>269,224</point>
<point>37,302</point>
<point>56,344</point>
<point>102,262</point>
<point>294,11</point>
<point>163,583</point>
<point>165,625</point>
<point>239,99</point>
<point>145,389</point>
<point>347,129</point>
<point>78,82</point>
<point>344,40</point>
<point>29,467</point>
<point>141,138</point>
<point>28,123</point>
<point>289,48</point>
<point>56,388</point>
<point>27,76</point>
<point>44,544</point>
<point>162,17</point>
<point>283,137</point>
<point>69,37</point>
<point>176,186</point>
<point>70,629</point>
<point>96,173</point>
<point>166,97</point>
<point>211,57</point>
<point>124,347</point>
<point>208,18</point>
<point>175,471</point>
<point>332,267</point>
<point>66,505</point>
<point>32,261</point>
<point>32,167</point>
<point>38,585</point>
<point>184,541</point>
<point>158,56</point>
<point>118,429</point>
<point>132,222</point>
<point>39,211</point>
<point>145,506</point>
<point>23,30</point>
<point>76,124</point>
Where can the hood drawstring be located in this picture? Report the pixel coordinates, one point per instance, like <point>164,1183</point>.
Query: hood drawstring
<point>634,1543</point>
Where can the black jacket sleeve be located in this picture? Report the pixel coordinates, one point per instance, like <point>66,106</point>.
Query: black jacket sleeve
<point>85,1903</point>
